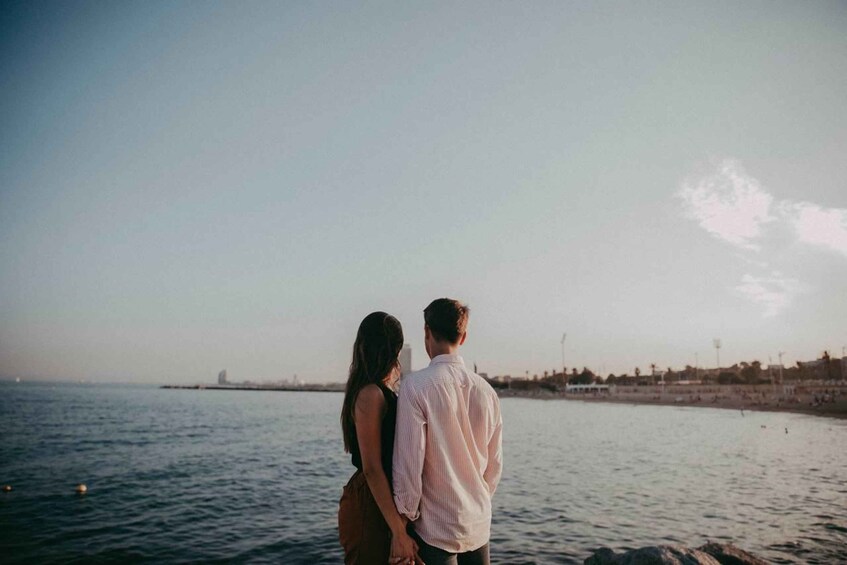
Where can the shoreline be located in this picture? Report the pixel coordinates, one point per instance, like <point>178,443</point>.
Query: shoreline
<point>726,397</point>
<point>332,387</point>
<point>835,409</point>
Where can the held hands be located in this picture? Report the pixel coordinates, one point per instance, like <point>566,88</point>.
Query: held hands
<point>404,550</point>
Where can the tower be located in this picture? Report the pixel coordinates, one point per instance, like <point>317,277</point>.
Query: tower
<point>405,360</point>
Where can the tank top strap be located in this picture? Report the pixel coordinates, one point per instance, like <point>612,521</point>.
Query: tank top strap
<point>387,392</point>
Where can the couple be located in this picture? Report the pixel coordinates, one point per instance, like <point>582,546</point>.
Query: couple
<point>429,458</point>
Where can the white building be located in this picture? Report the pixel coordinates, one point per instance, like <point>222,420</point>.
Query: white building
<point>587,388</point>
<point>222,377</point>
<point>405,360</point>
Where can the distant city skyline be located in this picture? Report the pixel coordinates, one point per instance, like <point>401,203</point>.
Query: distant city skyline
<point>191,186</point>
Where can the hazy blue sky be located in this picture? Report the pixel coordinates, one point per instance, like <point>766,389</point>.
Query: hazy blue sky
<point>192,186</point>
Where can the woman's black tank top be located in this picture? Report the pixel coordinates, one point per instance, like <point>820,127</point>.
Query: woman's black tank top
<point>386,434</point>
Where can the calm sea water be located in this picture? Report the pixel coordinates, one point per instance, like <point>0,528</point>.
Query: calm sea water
<point>209,476</point>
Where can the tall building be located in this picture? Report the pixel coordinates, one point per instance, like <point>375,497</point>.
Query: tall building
<point>405,360</point>
<point>222,377</point>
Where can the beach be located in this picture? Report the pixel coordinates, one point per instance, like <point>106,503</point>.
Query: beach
<point>819,398</point>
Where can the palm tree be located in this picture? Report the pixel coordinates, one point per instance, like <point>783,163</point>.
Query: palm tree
<point>827,361</point>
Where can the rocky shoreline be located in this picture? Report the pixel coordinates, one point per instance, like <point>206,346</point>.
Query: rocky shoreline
<point>708,554</point>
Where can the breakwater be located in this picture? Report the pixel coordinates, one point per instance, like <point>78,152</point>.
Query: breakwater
<point>330,387</point>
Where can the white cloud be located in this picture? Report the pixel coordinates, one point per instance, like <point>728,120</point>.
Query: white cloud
<point>733,207</point>
<point>729,204</point>
<point>774,293</point>
<point>826,227</point>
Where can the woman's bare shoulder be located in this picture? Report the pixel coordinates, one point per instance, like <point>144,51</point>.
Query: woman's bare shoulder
<point>370,398</point>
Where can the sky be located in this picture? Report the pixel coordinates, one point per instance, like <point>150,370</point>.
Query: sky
<point>187,187</point>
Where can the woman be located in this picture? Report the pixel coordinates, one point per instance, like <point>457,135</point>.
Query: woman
<point>370,529</point>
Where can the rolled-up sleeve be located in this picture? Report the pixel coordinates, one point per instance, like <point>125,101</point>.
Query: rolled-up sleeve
<point>494,469</point>
<point>409,448</point>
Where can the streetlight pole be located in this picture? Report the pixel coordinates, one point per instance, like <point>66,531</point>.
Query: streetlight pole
<point>770,375</point>
<point>717,343</point>
<point>696,365</point>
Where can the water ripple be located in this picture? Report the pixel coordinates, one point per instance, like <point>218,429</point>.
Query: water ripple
<point>188,476</point>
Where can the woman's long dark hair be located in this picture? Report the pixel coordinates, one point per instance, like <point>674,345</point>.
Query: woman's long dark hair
<point>375,354</point>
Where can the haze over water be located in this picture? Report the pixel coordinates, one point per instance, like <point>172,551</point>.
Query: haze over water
<point>179,475</point>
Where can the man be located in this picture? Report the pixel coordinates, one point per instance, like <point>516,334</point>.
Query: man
<point>448,446</point>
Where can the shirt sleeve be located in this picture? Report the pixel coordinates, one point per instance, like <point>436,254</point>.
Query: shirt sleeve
<point>409,448</point>
<point>494,470</point>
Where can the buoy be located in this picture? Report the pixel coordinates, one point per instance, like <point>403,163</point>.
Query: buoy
<point>7,488</point>
<point>81,489</point>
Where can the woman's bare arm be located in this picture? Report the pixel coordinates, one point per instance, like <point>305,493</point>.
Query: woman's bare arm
<point>368,414</point>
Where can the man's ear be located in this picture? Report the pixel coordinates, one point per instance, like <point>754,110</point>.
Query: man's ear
<point>462,339</point>
<point>426,331</point>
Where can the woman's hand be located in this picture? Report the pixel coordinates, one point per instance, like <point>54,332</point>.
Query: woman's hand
<point>404,550</point>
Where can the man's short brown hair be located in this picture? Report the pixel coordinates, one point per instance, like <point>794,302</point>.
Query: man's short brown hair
<point>447,319</point>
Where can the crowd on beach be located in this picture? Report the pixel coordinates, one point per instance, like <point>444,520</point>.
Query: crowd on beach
<point>827,396</point>
<point>817,396</point>
<point>753,395</point>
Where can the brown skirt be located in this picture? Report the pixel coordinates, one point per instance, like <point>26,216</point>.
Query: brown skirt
<point>362,530</point>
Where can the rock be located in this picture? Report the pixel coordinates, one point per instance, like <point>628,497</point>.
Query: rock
<point>728,554</point>
<point>652,555</point>
<point>602,556</point>
<point>709,554</point>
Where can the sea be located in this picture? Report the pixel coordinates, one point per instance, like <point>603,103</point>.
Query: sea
<point>207,476</point>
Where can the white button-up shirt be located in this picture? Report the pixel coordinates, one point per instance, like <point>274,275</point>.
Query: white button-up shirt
<point>448,454</point>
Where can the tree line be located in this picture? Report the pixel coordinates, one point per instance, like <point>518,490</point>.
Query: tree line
<point>747,373</point>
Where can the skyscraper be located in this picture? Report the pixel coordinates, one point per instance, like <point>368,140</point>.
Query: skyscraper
<point>405,360</point>
<point>222,377</point>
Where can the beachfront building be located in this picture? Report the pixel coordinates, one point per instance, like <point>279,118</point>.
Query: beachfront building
<point>587,388</point>
<point>405,360</point>
<point>222,378</point>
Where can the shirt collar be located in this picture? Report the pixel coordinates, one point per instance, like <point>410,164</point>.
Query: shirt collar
<point>447,358</point>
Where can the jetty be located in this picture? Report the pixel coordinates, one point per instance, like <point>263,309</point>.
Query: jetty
<point>330,387</point>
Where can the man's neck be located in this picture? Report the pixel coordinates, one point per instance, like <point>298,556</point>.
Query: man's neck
<point>443,348</point>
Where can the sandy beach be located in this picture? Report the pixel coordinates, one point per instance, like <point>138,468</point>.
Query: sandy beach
<point>817,399</point>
